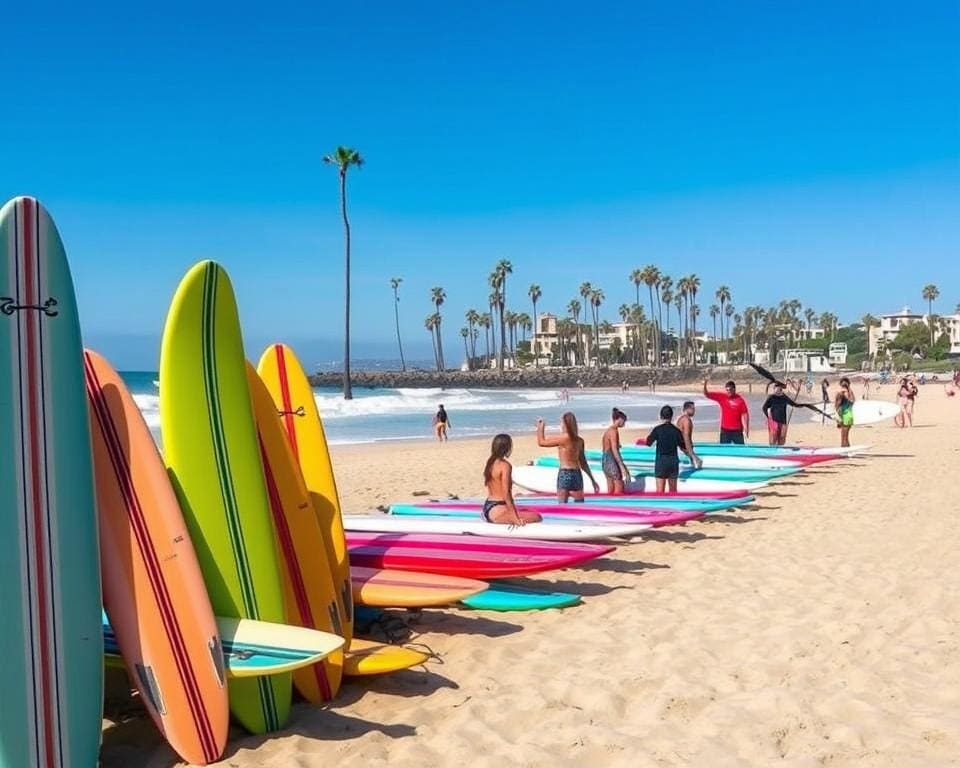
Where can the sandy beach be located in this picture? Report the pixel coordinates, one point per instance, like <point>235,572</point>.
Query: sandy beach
<point>820,626</point>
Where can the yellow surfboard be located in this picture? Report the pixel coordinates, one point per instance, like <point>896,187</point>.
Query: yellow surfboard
<point>297,411</point>
<point>309,594</point>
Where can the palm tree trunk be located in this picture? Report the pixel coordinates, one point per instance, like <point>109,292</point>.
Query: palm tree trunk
<point>347,384</point>
<point>396,317</point>
<point>442,362</point>
<point>533,342</point>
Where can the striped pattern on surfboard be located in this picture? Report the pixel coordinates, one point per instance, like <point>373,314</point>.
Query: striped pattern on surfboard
<point>199,677</point>
<point>52,724</point>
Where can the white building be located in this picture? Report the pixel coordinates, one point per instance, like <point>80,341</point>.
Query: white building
<point>806,334</point>
<point>546,340</point>
<point>891,324</point>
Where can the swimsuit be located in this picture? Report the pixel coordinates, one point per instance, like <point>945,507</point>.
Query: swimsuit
<point>845,412</point>
<point>489,505</point>
<point>668,440</point>
<point>610,467</point>
<point>569,479</point>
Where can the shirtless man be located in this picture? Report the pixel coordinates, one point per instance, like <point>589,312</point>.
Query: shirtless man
<point>573,461</point>
<point>685,425</point>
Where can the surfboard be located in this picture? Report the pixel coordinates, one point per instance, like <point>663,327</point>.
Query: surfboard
<point>213,456</point>
<point>567,512</point>
<point>381,588</point>
<point>544,480</point>
<point>479,557</point>
<point>726,475</point>
<point>51,676</point>
<point>309,593</point>
<point>628,501</point>
<point>293,398</point>
<point>553,530</point>
<point>757,449</point>
<point>366,657</point>
<point>153,589</point>
<point>510,597</point>
<point>643,454</point>
<point>866,411</point>
<point>253,648</point>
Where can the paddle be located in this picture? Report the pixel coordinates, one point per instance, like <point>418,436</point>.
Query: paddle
<point>770,377</point>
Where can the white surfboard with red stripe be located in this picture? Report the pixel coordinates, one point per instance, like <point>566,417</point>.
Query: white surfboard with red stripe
<point>51,676</point>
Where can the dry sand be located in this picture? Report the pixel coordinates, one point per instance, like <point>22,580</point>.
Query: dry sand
<point>819,627</point>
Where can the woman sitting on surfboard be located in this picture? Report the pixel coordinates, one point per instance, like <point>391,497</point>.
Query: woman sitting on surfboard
<point>498,478</point>
<point>843,403</point>
<point>614,468</point>
<point>570,447</point>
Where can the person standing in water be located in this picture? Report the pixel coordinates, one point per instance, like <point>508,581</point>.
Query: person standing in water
<point>685,425</point>
<point>573,462</point>
<point>614,468</point>
<point>734,413</point>
<point>499,506</point>
<point>775,409</point>
<point>668,440</point>
<point>843,404</point>
<point>441,421</point>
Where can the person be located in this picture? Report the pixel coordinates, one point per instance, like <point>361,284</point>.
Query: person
<point>614,468</point>
<point>905,416</point>
<point>808,383</point>
<point>866,388</point>
<point>570,448</point>
<point>824,397</point>
<point>499,506</point>
<point>441,422</point>
<point>668,439</point>
<point>685,425</point>
<point>843,403</point>
<point>734,413</point>
<point>564,396</point>
<point>775,410</point>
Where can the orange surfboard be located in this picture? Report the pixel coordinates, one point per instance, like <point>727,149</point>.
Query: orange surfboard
<point>153,590</point>
<point>409,589</point>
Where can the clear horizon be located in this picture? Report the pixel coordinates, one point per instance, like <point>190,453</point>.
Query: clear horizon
<point>809,153</point>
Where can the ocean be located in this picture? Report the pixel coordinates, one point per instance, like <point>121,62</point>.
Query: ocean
<point>376,415</point>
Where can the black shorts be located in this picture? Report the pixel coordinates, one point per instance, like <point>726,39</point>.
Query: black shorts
<point>569,480</point>
<point>731,436</point>
<point>666,468</point>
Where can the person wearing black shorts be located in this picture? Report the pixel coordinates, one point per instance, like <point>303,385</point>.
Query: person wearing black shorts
<point>668,440</point>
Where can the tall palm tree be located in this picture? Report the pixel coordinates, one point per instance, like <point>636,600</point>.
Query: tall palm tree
<point>650,276</point>
<point>574,308</point>
<point>809,315</point>
<point>430,323</point>
<point>485,322</point>
<point>438,296</point>
<point>728,312</point>
<point>395,284</point>
<point>585,290</point>
<point>503,268</point>
<point>723,296</point>
<point>473,319</point>
<point>596,299</point>
<point>693,287</point>
<point>930,294</point>
<point>626,311</point>
<point>535,293</point>
<point>666,296</point>
<point>828,321</point>
<point>344,158</point>
<point>714,314</point>
<point>465,333</point>
<point>664,284</point>
<point>683,295</point>
<point>495,280</point>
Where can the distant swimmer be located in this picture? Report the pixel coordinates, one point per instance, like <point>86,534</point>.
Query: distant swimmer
<point>685,425</point>
<point>775,410</point>
<point>441,422</point>
<point>734,413</point>
<point>499,506</point>
<point>668,440</point>
<point>843,404</point>
<point>614,468</point>
<point>573,461</point>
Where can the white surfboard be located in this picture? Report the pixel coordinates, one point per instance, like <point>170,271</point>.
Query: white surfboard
<point>544,480</point>
<point>552,530</point>
<point>757,463</point>
<point>867,411</point>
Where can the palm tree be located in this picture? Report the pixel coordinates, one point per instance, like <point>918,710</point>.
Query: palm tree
<point>535,293</point>
<point>438,296</point>
<point>665,284</point>
<point>525,324</point>
<point>930,294</point>
<point>596,299</point>
<point>430,323</point>
<point>495,299</point>
<point>809,315</point>
<point>503,268</point>
<point>650,276</point>
<point>626,311</point>
<point>395,284</point>
<point>465,333</point>
<point>828,321</point>
<point>693,285</point>
<point>723,296</point>
<point>343,158</point>
<point>667,296</point>
<point>683,293</point>
<point>728,313</point>
<point>585,290</point>
<point>714,314</point>
<point>485,322</point>
<point>473,319</point>
<point>574,308</point>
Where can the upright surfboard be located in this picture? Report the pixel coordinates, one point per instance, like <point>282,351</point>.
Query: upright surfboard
<point>153,590</point>
<point>51,673</point>
<point>293,398</point>
<point>310,595</point>
<point>213,456</point>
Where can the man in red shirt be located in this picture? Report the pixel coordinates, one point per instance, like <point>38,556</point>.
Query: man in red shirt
<point>734,413</point>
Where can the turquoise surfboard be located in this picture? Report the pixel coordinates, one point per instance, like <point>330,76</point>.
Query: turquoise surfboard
<point>509,597</point>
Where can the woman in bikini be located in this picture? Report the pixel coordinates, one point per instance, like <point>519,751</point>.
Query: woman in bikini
<point>498,479</point>
<point>843,404</point>
<point>573,462</point>
<point>614,468</point>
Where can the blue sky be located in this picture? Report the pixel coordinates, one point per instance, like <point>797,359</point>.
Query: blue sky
<point>807,150</point>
